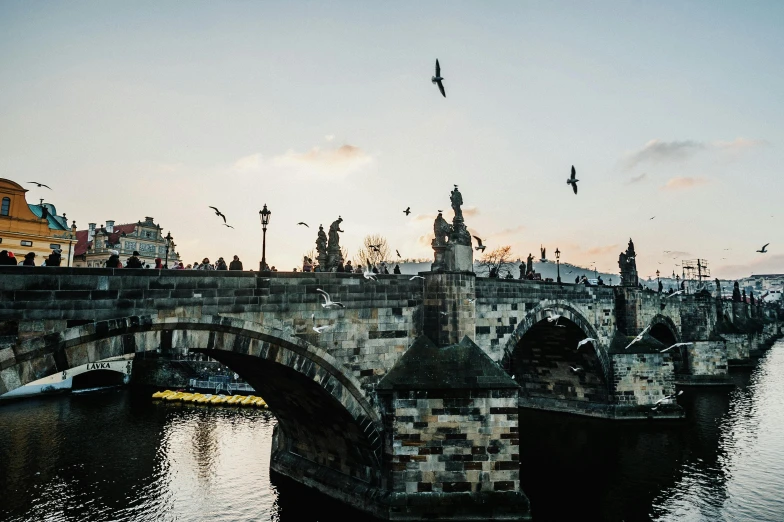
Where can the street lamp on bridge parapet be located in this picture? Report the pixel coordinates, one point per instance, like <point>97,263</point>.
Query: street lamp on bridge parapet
<point>169,244</point>
<point>558,263</point>
<point>264,216</point>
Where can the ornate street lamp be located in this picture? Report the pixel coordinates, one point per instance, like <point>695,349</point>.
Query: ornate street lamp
<point>558,263</point>
<point>169,243</point>
<point>264,216</point>
<point>657,279</point>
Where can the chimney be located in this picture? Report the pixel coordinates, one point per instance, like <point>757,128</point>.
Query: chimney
<point>90,231</point>
<point>110,225</point>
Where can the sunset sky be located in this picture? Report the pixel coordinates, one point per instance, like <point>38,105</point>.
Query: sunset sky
<point>320,109</point>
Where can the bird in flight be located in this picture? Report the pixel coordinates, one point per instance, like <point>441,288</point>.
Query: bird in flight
<point>654,217</point>
<point>676,345</point>
<point>639,337</point>
<point>674,293</point>
<point>319,329</point>
<point>471,301</point>
<point>219,213</point>
<point>407,211</point>
<point>481,246</point>
<point>374,248</point>
<point>575,369</point>
<point>438,80</point>
<point>585,341</point>
<point>573,180</point>
<point>551,317</point>
<point>764,249</point>
<point>368,273</point>
<point>416,277</point>
<point>397,252</point>
<point>40,184</point>
<point>227,225</point>
<point>303,223</point>
<point>328,302</point>
<point>669,397</point>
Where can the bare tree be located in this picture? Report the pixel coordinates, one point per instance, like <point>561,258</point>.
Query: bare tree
<point>374,249</point>
<point>499,259</point>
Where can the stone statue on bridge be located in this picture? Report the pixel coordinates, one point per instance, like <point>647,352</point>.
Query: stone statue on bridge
<point>321,247</point>
<point>543,251</point>
<point>452,250</point>
<point>333,248</point>
<point>529,264</point>
<point>628,265</point>
<point>459,235</point>
<point>736,293</point>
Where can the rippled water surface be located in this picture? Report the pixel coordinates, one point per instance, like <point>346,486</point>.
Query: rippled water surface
<point>119,457</point>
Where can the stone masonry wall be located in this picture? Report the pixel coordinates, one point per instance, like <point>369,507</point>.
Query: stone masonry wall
<point>641,379</point>
<point>501,306</point>
<point>449,313</point>
<point>379,321</point>
<point>707,358</point>
<point>453,441</point>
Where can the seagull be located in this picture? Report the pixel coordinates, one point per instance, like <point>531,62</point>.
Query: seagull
<point>303,223</point>
<point>40,184</point>
<point>416,277</point>
<point>397,252</point>
<point>652,218</point>
<point>669,397</point>
<point>227,225</point>
<point>218,213</point>
<point>674,293</point>
<point>676,345</point>
<point>374,248</point>
<point>442,313</point>
<point>639,337</point>
<point>407,211</point>
<point>368,273</point>
<point>573,181</point>
<point>328,302</point>
<point>320,329</point>
<point>763,250</point>
<point>481,246</point>
<point>471,301</point>
<point>575,369</point>
<point>585,341</point>
<point>437,79</point>
<point>551,317</point>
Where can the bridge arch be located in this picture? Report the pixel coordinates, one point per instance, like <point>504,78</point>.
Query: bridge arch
<point>541,356</point>
<point>323,414</point>
<point>663,329</point>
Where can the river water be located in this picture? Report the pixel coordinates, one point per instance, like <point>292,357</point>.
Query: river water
<point>116,456</point>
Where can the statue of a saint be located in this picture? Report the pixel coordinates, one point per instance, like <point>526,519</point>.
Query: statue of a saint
<point>334,238</point>
<point>543,251</point>
<point>441,229</point>
<point>321,243</point>
<point>457,200</point>
<point>529,264</point>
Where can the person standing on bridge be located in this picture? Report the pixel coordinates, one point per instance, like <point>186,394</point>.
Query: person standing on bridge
<point>6,260</point>
<point>236,264</point>
<point>54,258</point>
<point>133,261</point>
<point>29,259</point>
<point>221,264</point>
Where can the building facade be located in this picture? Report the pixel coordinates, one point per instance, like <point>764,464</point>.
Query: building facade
<point>93,245</point>
<point>28,228</point>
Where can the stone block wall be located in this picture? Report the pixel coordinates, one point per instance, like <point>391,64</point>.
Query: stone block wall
<point>641,379</point>
<point>502,305</point>
<point>707,359</point>
<point>453,441</point>
<point>449,313</point>
<point>737,346</point>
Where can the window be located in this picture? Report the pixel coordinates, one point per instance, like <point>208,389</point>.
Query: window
<point>27,243</point>
<point>147,233</point>
<point>54,246</point>
<point>5,207</point>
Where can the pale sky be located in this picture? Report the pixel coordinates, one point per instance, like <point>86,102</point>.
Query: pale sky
<point>320,109</point>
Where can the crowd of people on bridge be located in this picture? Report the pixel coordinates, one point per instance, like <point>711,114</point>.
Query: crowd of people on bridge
<point>348,268</point>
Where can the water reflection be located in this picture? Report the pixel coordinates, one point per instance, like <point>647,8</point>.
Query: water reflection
<point>118,457</point>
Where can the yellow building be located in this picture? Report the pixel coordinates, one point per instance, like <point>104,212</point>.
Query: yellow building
<point>33,228</point>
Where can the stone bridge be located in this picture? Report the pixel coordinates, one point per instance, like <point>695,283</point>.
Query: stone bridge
<point>406,406</point>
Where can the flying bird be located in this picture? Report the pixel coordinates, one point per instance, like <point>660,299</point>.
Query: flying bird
<point>764,249</point>
<point>674,293</point>
<point>416,277</point>
<point>368,273</point>
<point>227,225</point>
<point>397,252</point>
<point>676,345</point>
<point>652,218</point>
<point>328,302</point>
<point>639,337</point>
<point>575,369</point>
<point>407,211</point>
<point>320,329</point>
<point>219,213</point>
<point>669,397</point>
<point>374,248</point>
<point>471,301</point>
<point>437,79</point>
<point>481,246</point>
<point>303,223</point>
<point>573,180</point>
<point>551,317</point>
<point>40,184</point>
<point>584,342</point>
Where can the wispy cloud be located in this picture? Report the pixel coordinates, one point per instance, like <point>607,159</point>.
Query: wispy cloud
<point>658,151</point>
<point>344,159</point>
<point>739,144</point>
<point>638,178</point>
<point>596,251</point>
<point>248,163</point>
<point>329,137</point>
<point>683,183</point>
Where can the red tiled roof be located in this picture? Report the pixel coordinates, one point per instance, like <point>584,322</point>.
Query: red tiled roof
<point>82,245</point>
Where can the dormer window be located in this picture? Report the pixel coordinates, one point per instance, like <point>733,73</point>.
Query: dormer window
<point>5,207</point>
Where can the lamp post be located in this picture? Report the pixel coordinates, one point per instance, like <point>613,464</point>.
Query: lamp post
<point>264,216</point>
<point>558,263</point>
<point>657,280</point>
<point>168,239</point>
